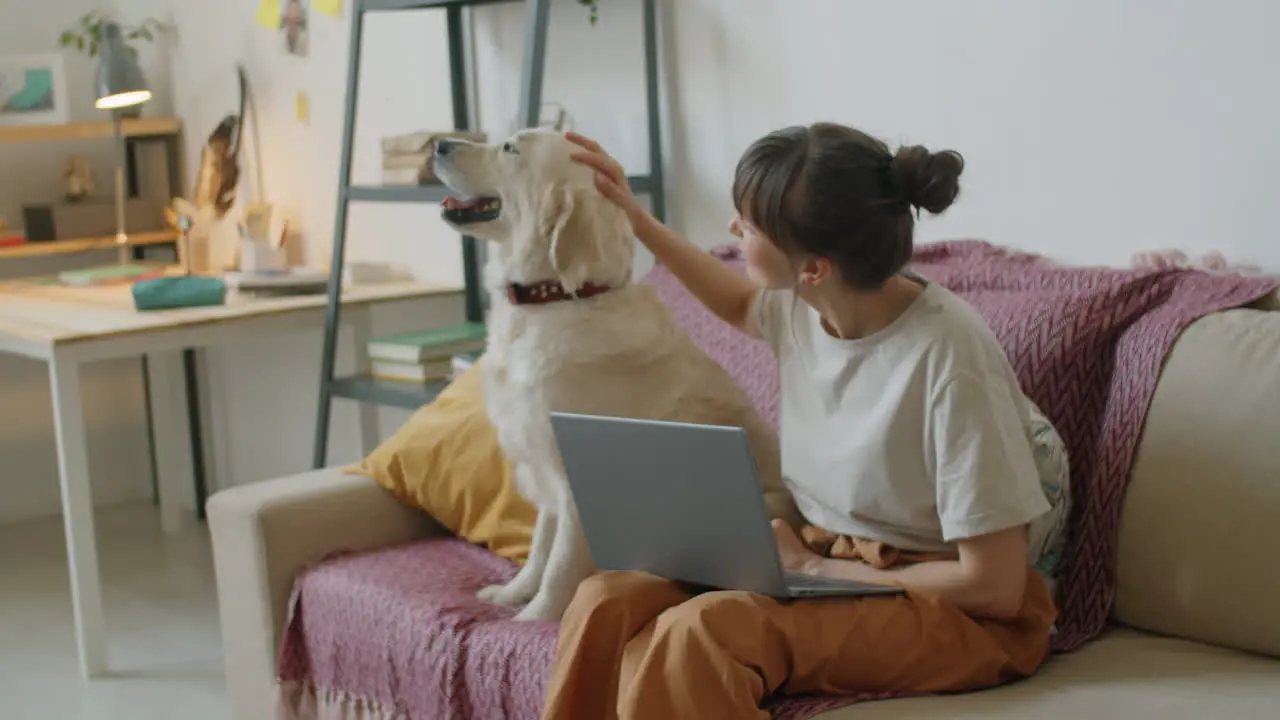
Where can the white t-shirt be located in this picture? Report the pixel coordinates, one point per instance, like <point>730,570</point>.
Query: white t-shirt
<point>917,435</point>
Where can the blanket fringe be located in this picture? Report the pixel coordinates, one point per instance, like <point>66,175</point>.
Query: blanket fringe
<point>304,701</point>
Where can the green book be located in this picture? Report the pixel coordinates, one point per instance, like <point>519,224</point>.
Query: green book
<point>441,342</point>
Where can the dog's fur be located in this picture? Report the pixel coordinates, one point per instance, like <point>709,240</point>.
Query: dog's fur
<point>620,353</point>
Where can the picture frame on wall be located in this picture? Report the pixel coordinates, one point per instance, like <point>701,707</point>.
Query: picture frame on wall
<point>33,90</point>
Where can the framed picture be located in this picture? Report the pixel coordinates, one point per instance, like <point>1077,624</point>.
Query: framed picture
<point>33,90</point>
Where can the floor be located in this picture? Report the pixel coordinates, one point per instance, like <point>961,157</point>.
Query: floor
<point>161,612</point>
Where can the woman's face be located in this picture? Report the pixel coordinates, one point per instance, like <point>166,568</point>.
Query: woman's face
<point>766,264</point>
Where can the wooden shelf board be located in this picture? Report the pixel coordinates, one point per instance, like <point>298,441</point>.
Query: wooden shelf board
<point>134,127</point>
<point>401,394</point>
<point>59,247</point>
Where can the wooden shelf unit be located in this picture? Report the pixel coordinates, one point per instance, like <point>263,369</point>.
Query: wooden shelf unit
<point>135,127</point>
<point>145,129</point>
<point>61,247</point>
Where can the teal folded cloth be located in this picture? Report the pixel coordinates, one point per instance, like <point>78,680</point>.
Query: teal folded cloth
<point>178,292</point>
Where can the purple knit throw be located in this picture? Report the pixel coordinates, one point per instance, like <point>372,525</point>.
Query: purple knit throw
<point>401,627</point>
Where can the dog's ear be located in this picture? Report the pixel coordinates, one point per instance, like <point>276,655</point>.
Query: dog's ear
<point>575,234</point>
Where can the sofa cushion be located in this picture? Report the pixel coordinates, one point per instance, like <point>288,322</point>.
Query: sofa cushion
<point>1200,533</point>
<point>1124,674</point>
<point>446,461</point>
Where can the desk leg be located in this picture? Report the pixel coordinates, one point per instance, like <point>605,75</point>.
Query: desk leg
<point>77,516</point>
<point>362,331</point>
<point>172,442</point>
<point>191,380</point>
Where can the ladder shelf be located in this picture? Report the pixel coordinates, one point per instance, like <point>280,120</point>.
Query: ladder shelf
<point>363,388</point>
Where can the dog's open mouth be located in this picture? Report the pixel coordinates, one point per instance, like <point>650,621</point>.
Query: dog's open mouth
<point>474,210</point>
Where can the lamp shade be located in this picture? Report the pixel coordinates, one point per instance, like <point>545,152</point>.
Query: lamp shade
<point>120,82</point>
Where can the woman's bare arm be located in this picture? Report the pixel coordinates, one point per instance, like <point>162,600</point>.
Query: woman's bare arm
<point>726,293</point>
<point>988,580</point>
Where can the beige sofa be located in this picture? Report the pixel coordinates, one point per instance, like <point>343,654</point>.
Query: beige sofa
<point>1196,628</point>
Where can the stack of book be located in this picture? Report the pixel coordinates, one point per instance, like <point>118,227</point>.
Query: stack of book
<point>463,361</point>
<point>426,355</point>
<point>404,157</point>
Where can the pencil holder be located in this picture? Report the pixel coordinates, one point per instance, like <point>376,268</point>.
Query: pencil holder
<point>260,256</point>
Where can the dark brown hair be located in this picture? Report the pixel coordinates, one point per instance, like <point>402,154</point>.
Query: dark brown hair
<point>834,192</point>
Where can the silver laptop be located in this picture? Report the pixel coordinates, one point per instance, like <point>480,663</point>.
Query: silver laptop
<point>680,501</point>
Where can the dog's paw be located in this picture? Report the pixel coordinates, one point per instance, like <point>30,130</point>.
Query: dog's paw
<point>503,595</point>
<point>538,610</point>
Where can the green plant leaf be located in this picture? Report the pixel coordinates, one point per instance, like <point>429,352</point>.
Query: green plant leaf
<point>80,43</point>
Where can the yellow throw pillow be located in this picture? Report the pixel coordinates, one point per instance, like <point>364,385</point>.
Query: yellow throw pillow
<point>446,461</point>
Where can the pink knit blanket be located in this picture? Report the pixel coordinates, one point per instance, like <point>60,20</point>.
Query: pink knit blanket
<point>1088,345</point>
<point>398,632</point>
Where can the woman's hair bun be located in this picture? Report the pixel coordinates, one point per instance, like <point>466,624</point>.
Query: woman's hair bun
<point>927,180</point>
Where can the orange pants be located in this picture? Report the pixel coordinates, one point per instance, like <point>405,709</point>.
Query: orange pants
<point>637,647</point>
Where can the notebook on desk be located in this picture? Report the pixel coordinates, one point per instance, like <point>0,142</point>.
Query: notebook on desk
<point>294,281</point>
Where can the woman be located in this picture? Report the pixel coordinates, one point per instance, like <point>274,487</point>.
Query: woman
<point>905,439</point>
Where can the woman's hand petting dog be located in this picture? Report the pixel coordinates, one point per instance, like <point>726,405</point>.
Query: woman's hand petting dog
<point>611,179</point>
<point>796,556</point>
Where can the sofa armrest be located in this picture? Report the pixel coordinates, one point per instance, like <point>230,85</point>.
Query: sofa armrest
<point>264,535</point>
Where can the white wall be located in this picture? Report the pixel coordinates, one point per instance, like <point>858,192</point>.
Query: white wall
<point>1092,129</point>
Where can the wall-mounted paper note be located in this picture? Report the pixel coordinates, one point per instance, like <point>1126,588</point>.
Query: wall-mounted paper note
<point>268,14</point>
<point>329,7</point>
<point>302,107</point>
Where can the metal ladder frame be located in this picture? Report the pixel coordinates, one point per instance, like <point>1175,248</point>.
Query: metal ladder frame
<point>537,19</point>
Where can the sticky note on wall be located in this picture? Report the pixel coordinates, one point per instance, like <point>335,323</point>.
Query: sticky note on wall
<point>302,107</point>
<point>268,14</point>
<point>329,7</point>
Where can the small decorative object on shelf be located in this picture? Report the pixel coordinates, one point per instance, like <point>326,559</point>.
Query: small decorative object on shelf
<point>77,178</point>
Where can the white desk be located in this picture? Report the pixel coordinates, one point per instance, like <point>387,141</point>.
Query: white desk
<point>66,327</point>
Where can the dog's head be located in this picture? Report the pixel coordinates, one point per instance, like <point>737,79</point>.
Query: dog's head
<point>539,206</point>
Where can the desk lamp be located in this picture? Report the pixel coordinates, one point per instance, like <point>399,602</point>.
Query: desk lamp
<point>120,84</point>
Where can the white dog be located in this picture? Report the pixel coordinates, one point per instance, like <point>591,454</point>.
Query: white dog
<point>569,331</point>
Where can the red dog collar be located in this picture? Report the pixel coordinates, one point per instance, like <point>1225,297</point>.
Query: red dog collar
<point>549,291</point>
